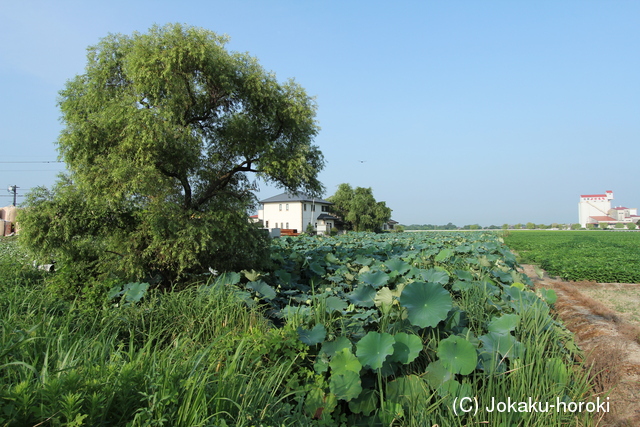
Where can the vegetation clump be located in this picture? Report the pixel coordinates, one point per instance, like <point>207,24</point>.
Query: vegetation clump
<point>162,135</point>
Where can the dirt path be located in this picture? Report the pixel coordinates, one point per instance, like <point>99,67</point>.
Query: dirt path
<point>609,340</point>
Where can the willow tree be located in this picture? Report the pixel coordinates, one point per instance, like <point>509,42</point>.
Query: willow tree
<point>165,135</point>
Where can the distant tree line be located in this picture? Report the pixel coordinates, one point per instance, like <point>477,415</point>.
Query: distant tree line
<point>519,226</point>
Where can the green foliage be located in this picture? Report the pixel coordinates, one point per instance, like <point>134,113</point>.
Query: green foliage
<point>208,356</point>
<point>581,255</point>
<point>162,132</point>
<point>359,209</point>
<point>438,314</point>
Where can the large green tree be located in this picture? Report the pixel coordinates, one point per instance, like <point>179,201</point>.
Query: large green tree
<point>165,135</point>
<point>359,209</point>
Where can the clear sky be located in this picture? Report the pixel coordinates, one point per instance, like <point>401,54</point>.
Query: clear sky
<point>485,112</point>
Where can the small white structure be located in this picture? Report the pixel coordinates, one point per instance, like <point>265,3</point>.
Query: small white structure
<point>296,212</point>
<point>596,209</point>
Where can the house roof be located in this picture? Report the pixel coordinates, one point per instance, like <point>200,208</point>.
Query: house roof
<point>620,208</point>
<point>603,218</point>
<point>297,197</point>
<point>597,195</point>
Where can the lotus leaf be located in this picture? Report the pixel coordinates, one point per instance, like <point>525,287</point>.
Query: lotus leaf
<point>229,278</point>
<point>444,255</point>
<point>363,296</point>
<point>384,298</point>
<point>406,389</point>
<point>435,275</point>
<point>131,292</point>
<point>464,275</point>
<point>406,348</point>
<point>283,276</point>
<point>317,268</point>
<point>457,320</point>
<point>335,304</point>
<point>262,288</point>
<point>363,260</point>
<point>548,295</point>
<point>436,374</point>
<point>504,324</point>
<point>458,355</point>
<point>252,275</point>
<point>374,348</point>
<point>313,336</point>
<point>484,261</point>
<point>505,344</point>
<point>332,347</point>
<point>397,265</point>
<point>291,312</point>
<point>427,303</point>
<point>461,285</point>
<point>374,278</point>
<point>345,386</point>
<point>331,258</point>
<point>491,362</point>
<point>321,364</point>
<point>318,405</point>
<point>344,361</point>
<point>365,403</point>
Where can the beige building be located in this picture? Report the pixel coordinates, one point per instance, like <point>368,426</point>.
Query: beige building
<point>7,218</point>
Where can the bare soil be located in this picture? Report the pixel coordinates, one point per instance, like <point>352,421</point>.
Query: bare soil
<point>609,338</point>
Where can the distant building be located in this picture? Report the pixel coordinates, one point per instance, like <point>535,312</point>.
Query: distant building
<point>296,212</point>
<point>596,209</point>
<point>7,220</point>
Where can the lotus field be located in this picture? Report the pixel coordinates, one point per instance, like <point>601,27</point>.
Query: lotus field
<point>400,327</point>
<point>412,329</point>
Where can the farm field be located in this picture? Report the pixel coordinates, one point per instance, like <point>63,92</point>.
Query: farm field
<point>604,316</point>
<point>360,329</point>
<point>600,256</point>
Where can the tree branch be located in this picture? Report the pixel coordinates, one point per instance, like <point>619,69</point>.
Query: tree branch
<point>183,181</point>
<point>218,185</point>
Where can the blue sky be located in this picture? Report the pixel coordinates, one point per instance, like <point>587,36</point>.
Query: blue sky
<point>467,112</point>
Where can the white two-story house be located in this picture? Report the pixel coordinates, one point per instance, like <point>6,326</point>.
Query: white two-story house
<point>296,212</point>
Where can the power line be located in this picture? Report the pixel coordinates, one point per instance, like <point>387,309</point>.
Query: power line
<point>52,161</point>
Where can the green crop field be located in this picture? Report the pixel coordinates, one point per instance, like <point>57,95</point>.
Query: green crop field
<point>601,256</point>
<point>405,329</point>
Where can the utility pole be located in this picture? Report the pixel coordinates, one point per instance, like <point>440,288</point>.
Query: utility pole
<point>13,189</point>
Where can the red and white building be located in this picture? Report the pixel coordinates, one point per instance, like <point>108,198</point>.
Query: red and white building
<point>596,209</point>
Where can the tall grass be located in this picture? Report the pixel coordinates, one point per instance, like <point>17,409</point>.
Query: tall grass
<point>190,358</point>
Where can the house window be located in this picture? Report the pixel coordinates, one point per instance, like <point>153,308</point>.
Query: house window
<point>287,225</point>
<point>266,224</point>
<point>325,208</point>
<point>281,225</point>
<point>280,206</point>
<point>305,206</point>
<point>287,206</point>
<point>313,208</point>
